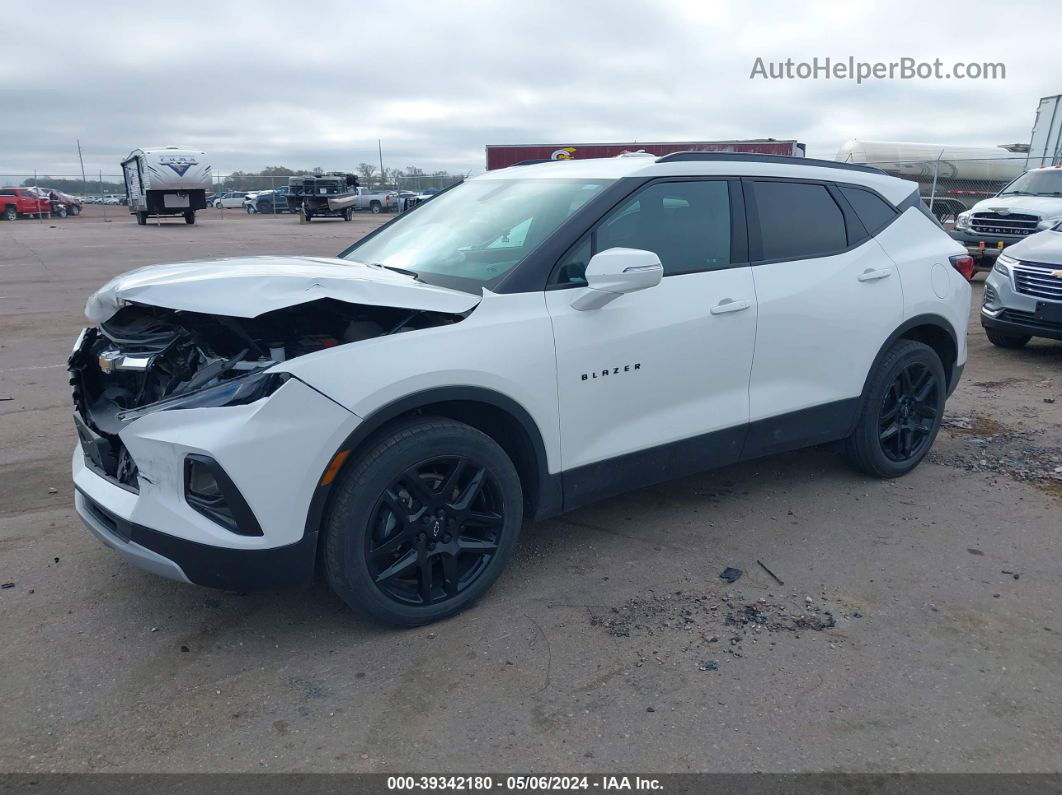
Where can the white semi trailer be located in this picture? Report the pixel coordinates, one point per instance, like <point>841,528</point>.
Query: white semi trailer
<point>1045,146</point>
<point>169,180</point>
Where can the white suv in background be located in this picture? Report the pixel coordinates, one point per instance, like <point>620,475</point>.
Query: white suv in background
<point>532,340</point>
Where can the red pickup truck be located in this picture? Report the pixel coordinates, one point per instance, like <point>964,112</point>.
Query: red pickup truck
<point>23,201</point>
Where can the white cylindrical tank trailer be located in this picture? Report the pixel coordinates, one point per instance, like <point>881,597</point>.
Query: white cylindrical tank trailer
<point>916,161</point>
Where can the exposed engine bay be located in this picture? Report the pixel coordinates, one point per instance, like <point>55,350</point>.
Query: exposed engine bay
<point>145,359</point>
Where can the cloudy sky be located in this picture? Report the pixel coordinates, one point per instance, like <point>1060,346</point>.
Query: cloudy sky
<point>316,84</point>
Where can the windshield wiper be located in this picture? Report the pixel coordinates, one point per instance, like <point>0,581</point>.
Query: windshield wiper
<point>1016,193</point>
<point>403,271</point>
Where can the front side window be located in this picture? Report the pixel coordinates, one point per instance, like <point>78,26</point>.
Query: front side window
<point>686,224</point>
<point>472,236</point>
<point>798,220</point>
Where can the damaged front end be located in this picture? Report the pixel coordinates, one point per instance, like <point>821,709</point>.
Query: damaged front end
<point>144,359</point>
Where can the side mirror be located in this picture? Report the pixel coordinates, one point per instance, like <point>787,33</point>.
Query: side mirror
<point>615,272</point>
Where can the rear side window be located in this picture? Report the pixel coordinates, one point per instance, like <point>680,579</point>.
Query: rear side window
<point>798,220</point>
<point>873,211</point>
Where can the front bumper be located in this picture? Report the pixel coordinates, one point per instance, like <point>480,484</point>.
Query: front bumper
<point>200,564</point>
<point>1009,312</point>
<point>274,450</point>
<point>981,246</point>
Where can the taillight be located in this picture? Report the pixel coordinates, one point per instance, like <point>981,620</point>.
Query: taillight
<point>964,264</point>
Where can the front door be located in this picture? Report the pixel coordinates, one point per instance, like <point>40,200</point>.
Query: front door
<point>655,383</point>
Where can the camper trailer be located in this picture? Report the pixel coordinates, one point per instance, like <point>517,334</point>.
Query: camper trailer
<point>168,180</point>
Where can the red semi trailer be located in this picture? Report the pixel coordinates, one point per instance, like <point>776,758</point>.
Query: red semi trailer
<point>503,155</point>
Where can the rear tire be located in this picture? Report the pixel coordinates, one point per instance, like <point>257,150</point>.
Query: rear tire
<point>75,210</point>
<point>1006,340</point>
<point>375,208</point>
<point>422,522</point>
<point>900,412</point>
<point>60,212</point>
<point>10,213</point>
<point>141,218</point>
<point>348,214</point>
<point>308,215</point>
<point>189,217</point>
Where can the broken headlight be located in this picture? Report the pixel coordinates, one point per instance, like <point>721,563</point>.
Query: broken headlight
<point>234,392</point>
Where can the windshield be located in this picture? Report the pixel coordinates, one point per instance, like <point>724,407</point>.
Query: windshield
<point>470,237</point>
<point>1036,183</point>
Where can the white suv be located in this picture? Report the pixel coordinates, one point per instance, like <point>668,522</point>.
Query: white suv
<point>527,342</point>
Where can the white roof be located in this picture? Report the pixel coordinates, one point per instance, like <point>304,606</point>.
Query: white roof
<point>892,188</point>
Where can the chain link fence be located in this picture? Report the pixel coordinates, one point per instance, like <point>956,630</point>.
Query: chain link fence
<point>947,185</point>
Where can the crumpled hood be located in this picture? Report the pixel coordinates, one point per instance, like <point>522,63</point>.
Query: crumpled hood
<point>1043,206</point>
<point>1044,247</point>
<point>251,286</point>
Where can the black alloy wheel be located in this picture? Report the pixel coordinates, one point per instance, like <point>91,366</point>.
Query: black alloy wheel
<point>909,412</point>
<point>899,412</point>
<point>434,530</point>
<point>422,521</point>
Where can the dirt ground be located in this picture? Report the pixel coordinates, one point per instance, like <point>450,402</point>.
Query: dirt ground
<point>917,628</point>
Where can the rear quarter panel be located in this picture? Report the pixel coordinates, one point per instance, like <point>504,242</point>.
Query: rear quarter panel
<point>931,286</point>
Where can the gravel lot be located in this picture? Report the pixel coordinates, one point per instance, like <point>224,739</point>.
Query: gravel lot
<point>918,628</point>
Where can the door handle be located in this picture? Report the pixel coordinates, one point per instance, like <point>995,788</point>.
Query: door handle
<point>729,305</point>
<point>871,275</point>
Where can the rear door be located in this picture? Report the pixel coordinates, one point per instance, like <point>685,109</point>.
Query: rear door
<point>828,298</point>
<point>655,383</point>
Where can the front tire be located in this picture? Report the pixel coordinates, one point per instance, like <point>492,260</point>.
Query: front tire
<point>141,218</point>
<point>900,412</point>
<point>348,214</point>
<point>422,523</point>
<point>1006,340</point>
<point>375,208</point>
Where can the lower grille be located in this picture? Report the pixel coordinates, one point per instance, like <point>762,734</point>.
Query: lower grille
<point>1028,319</point>
<point>1038,280</point>
<point>1016,224</point>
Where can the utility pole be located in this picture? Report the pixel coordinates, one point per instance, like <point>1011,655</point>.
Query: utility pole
<point>84,182</point>
<point>383,174</point>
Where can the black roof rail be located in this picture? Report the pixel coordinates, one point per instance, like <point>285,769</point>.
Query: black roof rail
<point>749,157</point>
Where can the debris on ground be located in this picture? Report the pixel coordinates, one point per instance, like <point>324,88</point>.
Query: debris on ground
<point>7,585</point>
<point>53,490</point>
<point>973,551</point>
<point>993,448</point>
<point>708,665</point>
<point>773,575</point>
<point>731,575</point>
<point>662,626</point>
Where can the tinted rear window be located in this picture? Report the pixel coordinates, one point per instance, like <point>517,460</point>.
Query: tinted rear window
<point>873,211</point>
<point>798,220</point>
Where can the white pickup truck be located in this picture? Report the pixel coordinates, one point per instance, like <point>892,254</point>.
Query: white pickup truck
<point>1029,204</point>
<point>375,201</point>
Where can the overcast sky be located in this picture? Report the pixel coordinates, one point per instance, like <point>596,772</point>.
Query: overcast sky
<point>315,84</point>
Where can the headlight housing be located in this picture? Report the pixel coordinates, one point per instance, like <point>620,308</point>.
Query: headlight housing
<point>234,392</point>
<point>1049,223</point>
<point>962,220</point>
<point>1002,265</point>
